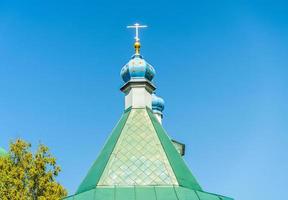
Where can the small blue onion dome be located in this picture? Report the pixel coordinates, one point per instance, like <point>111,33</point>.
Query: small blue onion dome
<point>137,67</point>
<point>157,103</point>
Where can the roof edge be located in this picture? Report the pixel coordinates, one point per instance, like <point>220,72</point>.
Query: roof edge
<point>94,174</point>
<point>183,174</point>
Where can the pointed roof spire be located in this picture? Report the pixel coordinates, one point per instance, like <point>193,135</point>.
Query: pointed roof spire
<point>139,153</point>
<point>139,162</point>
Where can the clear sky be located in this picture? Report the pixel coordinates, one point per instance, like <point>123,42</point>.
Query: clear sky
<point>222,68</point>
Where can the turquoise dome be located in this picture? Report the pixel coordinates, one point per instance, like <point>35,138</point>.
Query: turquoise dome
<point>157,103</point>
<point>137,67</point>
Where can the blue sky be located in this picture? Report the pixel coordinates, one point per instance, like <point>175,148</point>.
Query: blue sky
<point>222,68</point>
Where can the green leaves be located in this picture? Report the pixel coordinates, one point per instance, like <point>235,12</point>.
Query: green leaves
<point>28,176</point>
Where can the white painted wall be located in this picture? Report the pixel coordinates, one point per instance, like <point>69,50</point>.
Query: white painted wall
<point>138,93</point>
<point>138,97</point>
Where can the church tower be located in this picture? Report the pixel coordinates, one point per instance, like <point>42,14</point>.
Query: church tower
<point>139,161</point>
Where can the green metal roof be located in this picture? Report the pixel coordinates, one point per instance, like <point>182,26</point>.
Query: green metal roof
<point>145,193</point>
<point>138,157</point>
<point>139,161</point>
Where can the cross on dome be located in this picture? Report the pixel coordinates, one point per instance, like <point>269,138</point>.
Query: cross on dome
<point>137,26</point>
<point>137,43</point>
<point>139,160</point>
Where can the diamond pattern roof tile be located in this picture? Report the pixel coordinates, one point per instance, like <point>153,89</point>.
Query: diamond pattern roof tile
<point>140,162</point>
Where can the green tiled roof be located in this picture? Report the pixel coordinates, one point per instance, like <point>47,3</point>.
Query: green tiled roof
<point>95,172</point>
<point>139,161</point>
<point>138,157</point>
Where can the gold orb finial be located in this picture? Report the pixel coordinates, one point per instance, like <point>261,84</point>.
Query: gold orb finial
<point>137,39</point>
<point>137,46</point>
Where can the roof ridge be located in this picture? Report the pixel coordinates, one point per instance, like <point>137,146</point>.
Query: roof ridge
<point>176,165</point>
<point>183,174</point>
<point>95,172</point>
<point>138,157</point>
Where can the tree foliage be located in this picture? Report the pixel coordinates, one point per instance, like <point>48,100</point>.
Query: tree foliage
<point>28,176</point>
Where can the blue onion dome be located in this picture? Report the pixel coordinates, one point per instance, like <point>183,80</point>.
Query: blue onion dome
<point>157,103</point>
<point>137,67</point>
